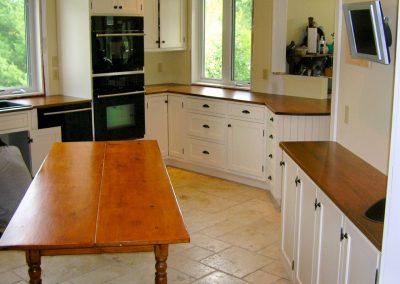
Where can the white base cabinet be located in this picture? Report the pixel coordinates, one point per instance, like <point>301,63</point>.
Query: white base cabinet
<point>319,243</point>
<point>176,125</point>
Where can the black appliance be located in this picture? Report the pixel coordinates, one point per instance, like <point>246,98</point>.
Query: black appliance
<point>118,77</point>
<point>75,121</point>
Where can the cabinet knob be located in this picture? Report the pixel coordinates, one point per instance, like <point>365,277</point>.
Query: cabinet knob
<point>120,7</point>
<point>206,152</point>
<point>317,204</point>
<point>206,106</point>
<point>270,155</point>
<point>297,181</point>
<point>157,41</point>
<point>282,163</point>
<point>163,41</point>
<point>30,140</point>
<point>271,136</point>
<point>271,119</point>
<point>245,111</point>
<point>270,177</point>
<point>206,126</point>
<point>343,235</point>
<point>229,125</point>
<point>115,7</point>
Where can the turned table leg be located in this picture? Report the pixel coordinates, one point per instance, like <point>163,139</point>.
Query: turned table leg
<point>161,253</point>
<point>33,261</point>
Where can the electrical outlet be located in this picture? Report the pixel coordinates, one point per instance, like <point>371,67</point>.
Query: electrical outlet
<point>160,67</point>
<point>346,114</point>
<point>265,74</point>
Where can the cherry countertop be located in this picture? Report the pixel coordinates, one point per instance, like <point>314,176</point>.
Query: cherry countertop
<point>351,183</point>
<point>281,105</point>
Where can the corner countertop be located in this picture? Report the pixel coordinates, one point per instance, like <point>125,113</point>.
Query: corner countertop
<point>282,105</point>
<point>351,183</point>
<point>48,101</point>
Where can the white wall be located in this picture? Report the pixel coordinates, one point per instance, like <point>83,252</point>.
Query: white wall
<point>367,92</point>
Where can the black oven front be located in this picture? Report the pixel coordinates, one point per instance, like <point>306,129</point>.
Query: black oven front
<point>117,44</point>
<point>118,104</point>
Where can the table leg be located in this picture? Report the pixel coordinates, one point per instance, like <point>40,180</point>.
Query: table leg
<point>161,253</point>
<point>33,261</point>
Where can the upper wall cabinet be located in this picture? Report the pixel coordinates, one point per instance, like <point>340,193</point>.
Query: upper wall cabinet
<point>165,25</point>
<point>117,7</point>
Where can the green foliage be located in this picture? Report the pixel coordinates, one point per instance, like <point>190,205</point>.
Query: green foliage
<point>13,51</point>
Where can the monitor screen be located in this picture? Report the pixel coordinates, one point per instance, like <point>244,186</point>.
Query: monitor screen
<point>363,31</point>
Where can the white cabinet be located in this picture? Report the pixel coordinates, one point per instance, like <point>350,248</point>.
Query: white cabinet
<point>289,203</point>
<point>165,25</point>
<point>320,244</point>
<point>246,142</point>
<point>157,121</point>
<point>41,140</point>
<point>360,259</point>
<point>117,7</point>
<point>176,126</point>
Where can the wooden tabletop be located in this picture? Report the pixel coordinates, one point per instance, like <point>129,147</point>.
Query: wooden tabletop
<point>46,101</point>
<point>283,105</point>
<point>351,183</point>
<point>98,194</point>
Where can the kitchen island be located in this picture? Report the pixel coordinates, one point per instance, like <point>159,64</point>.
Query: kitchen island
<point>98,197</point>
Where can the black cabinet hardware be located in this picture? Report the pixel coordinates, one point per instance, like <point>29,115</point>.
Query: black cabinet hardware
<point>297,181</point>
<point>271,119</point>
<point>317,204</point>
<point>270,177</point>
<point>206,126</point>
<point>343,235</point>
<point>206,106</point>
<point>270,156</point>
<point>271,136</point>
<point>206,152</point>
<point>282,163</point>
<point>115,7</point>
<point>229,125</point>
<point>245,111</point>
<point>30,140</point>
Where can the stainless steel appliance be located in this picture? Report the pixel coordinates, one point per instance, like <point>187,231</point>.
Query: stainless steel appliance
<point>118,77</point>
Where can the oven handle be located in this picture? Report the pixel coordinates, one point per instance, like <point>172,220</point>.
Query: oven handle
<point>124,34</point>
<point>120,94</point>
<point>118,73</point>
<point>67,111</point>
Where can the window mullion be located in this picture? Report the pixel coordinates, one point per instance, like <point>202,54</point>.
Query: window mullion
<point>227,42</point>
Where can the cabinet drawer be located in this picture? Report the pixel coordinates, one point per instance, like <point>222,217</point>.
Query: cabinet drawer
<point>17,121</point>
<point>245,111</point>
<point>207,153</point>
<point>208,127</point>
<point>271,119</point>
<point>206,106</point>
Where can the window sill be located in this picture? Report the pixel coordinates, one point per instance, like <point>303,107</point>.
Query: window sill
<point>222,86</point>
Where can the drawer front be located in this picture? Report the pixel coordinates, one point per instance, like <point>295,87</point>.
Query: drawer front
<point>271,119</point>
<point>248,112</point>
<point>206,106</point>
<point>18,121</point>
<point>208,153</point>
<point>208,127</point>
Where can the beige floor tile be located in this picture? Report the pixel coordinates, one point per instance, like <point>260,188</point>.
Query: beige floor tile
<point>196,253</point>
<point>221,228</point>
<point>189,267</point>
<point>283,281</point>
<point>272,251</point>
<point>219,278</point>
<point>236,261</point>
<point>261,277</point>
<point>102,274</point>
<point>208,243</point>
<point>9,277</point>
<point>276,268</point>
<point>11,259</point>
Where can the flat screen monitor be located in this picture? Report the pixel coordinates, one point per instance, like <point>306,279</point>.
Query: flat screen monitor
<point>369,35</point>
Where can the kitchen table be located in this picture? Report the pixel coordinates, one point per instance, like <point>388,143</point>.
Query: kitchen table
<point>98,197</point>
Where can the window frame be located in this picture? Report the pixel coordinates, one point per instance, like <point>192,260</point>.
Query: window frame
<point>34,55</point>
<point>228,43</point>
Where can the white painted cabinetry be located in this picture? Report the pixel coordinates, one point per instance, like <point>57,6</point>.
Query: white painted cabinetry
<point>165,25</point>
<point>319,243</point>
<point>176,126</point>
<point>117,7</point>
<point>157,121</point>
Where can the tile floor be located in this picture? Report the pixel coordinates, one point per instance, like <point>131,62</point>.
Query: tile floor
<point>235,235</point>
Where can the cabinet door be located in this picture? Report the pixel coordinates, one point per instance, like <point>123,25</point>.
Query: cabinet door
<point>246,145</point>
<point>42,140</point>
<point>289,201</point>
<point>172,24</point>
<point>104,7</point>
<point>176,126</point>
<point>157,121</point>
<point>151,38</point>
<point>131,7</point>
<point>330,246</point>
<point>306,242</point>
<point>360,258</point>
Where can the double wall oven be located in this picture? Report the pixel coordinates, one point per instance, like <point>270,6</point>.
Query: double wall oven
<point>118,77</point>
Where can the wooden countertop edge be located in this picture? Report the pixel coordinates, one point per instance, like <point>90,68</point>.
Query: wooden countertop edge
<point>369,228</point>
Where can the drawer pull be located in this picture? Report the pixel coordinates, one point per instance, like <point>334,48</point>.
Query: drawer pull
<point>206,126</point>
<point>245,111</point>
<point>271,136</point>
<point>270,155</point>
<point>271,119</point>
<point>120,7</point>
<point>270,177</point>
<point>206,106</point>
<point>229,125</point>
<point>115,7</point>
<point>206,152</point>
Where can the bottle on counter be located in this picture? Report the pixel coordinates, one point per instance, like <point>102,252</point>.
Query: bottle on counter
<point>322,46</point>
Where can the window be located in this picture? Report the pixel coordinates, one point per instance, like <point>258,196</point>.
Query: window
<point>224,42</point>
<point>20,68</point>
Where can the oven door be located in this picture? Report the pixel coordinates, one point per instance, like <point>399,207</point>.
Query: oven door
<point>117,44</point>
<point>118,106</point>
